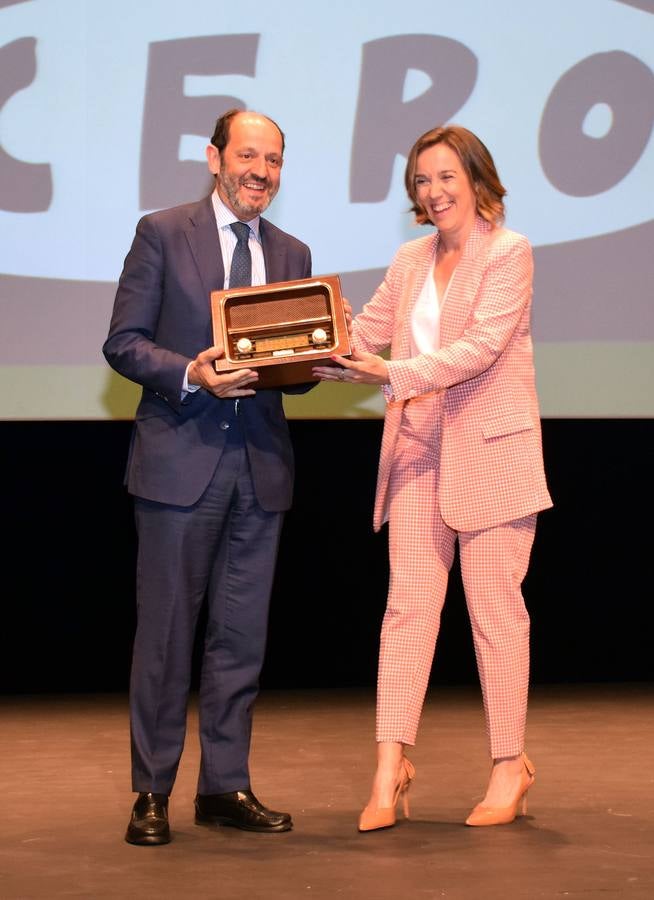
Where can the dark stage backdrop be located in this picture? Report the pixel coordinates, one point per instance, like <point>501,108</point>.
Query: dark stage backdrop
<point>68,572</point>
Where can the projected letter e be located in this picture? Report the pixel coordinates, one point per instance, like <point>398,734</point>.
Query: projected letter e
<point>168,114</point>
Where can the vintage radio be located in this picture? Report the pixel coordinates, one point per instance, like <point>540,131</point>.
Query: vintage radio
<point>281,329</point>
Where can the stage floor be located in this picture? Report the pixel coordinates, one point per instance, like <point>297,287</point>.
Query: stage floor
<point>589,833</point>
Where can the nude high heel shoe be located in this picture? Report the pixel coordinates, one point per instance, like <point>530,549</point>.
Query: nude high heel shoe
<point>384,817</point>
<point>488,815</point>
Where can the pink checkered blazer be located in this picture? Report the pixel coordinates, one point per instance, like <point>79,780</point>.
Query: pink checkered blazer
<point>481,379</point>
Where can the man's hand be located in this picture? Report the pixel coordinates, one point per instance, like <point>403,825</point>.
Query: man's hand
<point>361,368</point>
<point>228,384</point>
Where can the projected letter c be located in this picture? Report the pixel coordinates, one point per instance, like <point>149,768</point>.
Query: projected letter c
<point>24,187</point>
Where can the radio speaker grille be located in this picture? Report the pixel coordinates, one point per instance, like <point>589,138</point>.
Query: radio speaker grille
<point>255,313</point>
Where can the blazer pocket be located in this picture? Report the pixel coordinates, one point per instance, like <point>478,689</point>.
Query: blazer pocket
<point>499,426</point>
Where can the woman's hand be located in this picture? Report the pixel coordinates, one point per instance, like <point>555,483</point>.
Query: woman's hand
<point>361,368</point>
<point>347,309</point>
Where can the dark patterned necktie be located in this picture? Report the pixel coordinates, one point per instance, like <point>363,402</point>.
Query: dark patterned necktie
<point>240,274</point>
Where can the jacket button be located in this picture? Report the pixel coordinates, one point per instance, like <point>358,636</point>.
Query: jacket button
<point>224,425</point>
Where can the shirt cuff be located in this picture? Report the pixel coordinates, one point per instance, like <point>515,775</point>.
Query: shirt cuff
<point>186,387</point>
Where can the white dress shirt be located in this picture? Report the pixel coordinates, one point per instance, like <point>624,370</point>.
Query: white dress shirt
<point>224,219</point>
<point>227,238</point>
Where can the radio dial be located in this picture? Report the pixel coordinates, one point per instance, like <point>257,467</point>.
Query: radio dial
<point>244,345</point>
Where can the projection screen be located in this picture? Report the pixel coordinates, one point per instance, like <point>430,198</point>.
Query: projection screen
<point>106,108</point>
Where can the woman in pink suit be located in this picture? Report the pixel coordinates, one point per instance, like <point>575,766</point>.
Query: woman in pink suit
<point>461,458</point>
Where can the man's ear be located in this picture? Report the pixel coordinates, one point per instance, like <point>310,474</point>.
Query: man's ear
<point>213,159</point>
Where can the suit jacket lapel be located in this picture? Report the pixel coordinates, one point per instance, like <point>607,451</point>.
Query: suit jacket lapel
<point>274,253</point>
<point>202,234</point>
<point>465,283</point>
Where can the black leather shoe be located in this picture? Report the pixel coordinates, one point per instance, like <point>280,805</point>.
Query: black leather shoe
<point>241,809</point>
<point>149,822</point>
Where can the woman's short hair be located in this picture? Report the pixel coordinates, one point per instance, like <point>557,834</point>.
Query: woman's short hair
<point>477,163</point>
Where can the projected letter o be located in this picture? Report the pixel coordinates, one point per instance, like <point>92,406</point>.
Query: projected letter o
<point>582,165</point>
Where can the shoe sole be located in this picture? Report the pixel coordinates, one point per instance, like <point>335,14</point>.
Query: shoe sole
<point>148,840</point>
<point>215,821</point>
<point>377,828</point>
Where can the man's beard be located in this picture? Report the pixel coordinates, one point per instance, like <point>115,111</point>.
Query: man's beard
<point>230,184</point>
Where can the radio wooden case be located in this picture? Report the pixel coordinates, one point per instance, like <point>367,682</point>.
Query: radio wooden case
<point>281,329</point>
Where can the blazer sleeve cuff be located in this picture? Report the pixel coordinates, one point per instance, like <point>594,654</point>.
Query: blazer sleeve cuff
<point>402,379</point>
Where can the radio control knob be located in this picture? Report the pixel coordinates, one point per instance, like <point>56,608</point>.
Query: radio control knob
<point>319,336</point>
<point>244,345</point>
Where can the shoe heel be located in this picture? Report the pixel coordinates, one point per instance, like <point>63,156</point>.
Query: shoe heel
<point>409,775</point>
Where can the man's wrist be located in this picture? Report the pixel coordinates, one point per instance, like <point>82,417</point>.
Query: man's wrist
<point>189,385</point>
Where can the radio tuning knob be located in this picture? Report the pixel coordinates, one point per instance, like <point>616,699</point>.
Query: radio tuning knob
<point>244,345</point>
<point>319,336</point>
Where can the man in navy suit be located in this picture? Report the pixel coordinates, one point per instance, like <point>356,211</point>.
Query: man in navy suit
<point>211,470</point>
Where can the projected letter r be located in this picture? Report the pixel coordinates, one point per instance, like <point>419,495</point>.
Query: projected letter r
<point>387,124</point>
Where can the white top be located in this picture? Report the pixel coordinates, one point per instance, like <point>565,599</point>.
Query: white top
<point>425,318</point>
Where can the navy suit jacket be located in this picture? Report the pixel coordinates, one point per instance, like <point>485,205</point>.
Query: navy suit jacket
<point>161,321</point>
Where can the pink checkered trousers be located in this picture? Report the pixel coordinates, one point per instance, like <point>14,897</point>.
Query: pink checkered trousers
<point>461,458</point>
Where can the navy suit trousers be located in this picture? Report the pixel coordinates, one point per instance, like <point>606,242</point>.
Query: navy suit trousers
<point>224,548</point>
